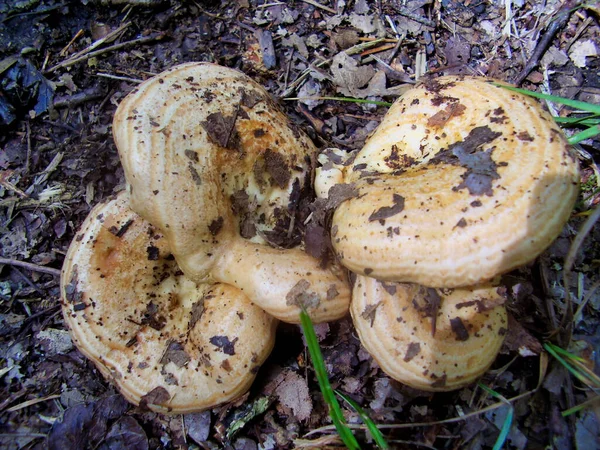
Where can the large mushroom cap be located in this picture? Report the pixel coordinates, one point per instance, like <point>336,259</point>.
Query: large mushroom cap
<point>462,180</point>
<point>166,342</point>
<point>430,339</point>
<point>214,165</point>
<point>209,156</point>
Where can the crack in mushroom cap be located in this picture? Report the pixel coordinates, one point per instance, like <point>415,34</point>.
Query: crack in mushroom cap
<point>396,323</point>
<point>462,180</point>
<point>207,155</point>
<point>169,344</point>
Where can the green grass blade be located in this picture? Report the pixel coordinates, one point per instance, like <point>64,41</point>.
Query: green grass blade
<point>589,121</point>
<point>577,367</point>
<point>576,104</point>
<point>575,409</point>
<point>372,427</point>
<point>552,350</point>
<point>319,365</point>
<point>507,424</point>
<point>564,352</point>
<point>585,134</point>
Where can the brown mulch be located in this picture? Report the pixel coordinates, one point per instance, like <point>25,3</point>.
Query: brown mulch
<point>65,65</point>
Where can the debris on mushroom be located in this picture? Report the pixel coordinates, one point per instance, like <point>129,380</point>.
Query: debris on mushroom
<point>430,339</point>
<point>219,170</point>
<point>169,344</point>
<point>462,180</point>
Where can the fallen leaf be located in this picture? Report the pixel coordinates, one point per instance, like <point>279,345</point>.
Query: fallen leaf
<point>126,433</point>
<point>198,426</point>
<point>349,76</point>
<point>580,50</point>
<point>293,393</point>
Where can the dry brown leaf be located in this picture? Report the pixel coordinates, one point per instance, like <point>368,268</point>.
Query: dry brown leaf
<point>293,393</point>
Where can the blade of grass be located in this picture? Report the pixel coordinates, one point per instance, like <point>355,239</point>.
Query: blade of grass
<point>574,364</point>
<point>585,134</point>
<point>551,349</point>
<point>371,426</point>
<point>507,420</point>
<point>586,121</point>
<point>576,104</point>
<point>581,406</point>
<point>321,372</point>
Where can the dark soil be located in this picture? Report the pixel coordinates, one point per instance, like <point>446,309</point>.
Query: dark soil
<point>65,65</point>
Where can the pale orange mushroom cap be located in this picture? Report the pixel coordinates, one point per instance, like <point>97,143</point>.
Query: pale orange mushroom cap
<point>430,339</point>
<point>462,180</point>
<point>215,166</point>
<point>168,343</point>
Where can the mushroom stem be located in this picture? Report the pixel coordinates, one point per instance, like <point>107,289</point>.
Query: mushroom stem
<point>280,281</point>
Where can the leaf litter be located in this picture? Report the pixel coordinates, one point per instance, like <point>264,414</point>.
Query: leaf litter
<point>58,160</point>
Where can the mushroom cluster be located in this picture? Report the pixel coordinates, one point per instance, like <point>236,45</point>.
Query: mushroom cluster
<point>173,288</point>
<point>462,181</point>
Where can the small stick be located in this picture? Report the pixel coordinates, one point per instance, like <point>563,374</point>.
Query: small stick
<point>560,21</point>
<point>78,98</point>
<point>31,266</point>
<point>108,38</point>
<point>371,39</point>
<point>318,5</point>
<point>31,402</point>
<point>116,77</point>
<point>28,161</point>
<point>125,44</point>
<point>412,16</point>
<point>63,52</point>
<point>286,79</point>
<point>378,49</point>
<point>4,176</point>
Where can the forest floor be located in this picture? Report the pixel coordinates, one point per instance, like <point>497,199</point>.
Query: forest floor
<point>65,66</point>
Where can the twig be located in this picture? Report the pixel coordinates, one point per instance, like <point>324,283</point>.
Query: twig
<point>63,52</point>
<point>7,401</point>
<point>31,13</point>
<point>116,77</point>
<point>268,5</point>
<point>286,78</point>
<point>31,402</point>
<point>412,16</point>
<point>112,48</point>
<point>383,48</point>
<point>78,98</point>
<point>4,176</point>
<point>318,5</point>
<point>30,266</point>
<point>30,283</point>
<point>108,38</point>
<point>561,20</point>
